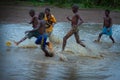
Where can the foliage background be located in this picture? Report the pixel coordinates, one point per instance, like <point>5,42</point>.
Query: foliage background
<point>111,4</point>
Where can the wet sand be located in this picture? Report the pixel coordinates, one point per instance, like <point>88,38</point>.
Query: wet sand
<point>19,14</point>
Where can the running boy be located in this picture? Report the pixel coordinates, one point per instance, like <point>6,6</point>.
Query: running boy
<point>107,27</point>
<point>34,23</point>
<point>41,39</point>
<point>75,22</point>
<point>50,21</point>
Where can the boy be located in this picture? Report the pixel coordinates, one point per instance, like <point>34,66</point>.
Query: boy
<point>34,23</point>
<point>41,39</point>
<point>50,21</point>
<point>107,27</point>
<point>75,22</point>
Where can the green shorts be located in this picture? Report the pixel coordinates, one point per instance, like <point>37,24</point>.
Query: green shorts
<point>32,34</point>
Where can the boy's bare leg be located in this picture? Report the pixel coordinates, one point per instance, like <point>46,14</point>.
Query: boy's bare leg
<point>112,39</point>
<point>17,43</point>
<point>47,54</point>
<point>99,37</point>
<point>78,39</point>
<point>70,33</point>
<point>50,46</point>
<point>45,51</point>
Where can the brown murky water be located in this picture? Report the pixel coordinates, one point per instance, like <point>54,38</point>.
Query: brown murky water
<point>25,63</point>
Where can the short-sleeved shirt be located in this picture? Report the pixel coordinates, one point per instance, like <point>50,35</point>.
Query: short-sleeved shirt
<point>53,20</point>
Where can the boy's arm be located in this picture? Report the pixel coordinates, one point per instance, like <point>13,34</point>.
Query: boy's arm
<point>33,29</point>
<point>54,19</point>
<point>68,18</point>
<point>103,21</point>
<point>80,20</point>
<point>31,22</point>
<point>34,19</point>
<point>110,22</point>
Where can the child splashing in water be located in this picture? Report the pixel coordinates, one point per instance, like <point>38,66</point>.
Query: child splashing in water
<point>42,37</point>
<point>75,22</point>
<point>34,23</point>
<point>50,21</point>
<point>107,27</point>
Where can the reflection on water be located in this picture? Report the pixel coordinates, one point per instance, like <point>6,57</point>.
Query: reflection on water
<point>21,63</point>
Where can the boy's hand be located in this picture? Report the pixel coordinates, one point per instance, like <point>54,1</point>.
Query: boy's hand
<point>30,22</point>
<point>67,17</point>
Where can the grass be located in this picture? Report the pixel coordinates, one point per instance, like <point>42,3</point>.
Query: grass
<point>24,3</point>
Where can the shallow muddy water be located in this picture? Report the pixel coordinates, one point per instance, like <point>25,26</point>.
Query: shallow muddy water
<point>27,61</point>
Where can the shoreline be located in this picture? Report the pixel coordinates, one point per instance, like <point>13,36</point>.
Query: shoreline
<point>19,14</point>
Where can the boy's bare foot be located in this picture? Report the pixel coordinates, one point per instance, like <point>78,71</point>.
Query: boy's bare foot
<point>96,41</point>
<point>16,43</point>
<point>49,55</point>
<point>113,42</point>
<point>82,44</point>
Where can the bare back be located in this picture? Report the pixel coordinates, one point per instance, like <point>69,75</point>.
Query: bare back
<point>41,25</point>
<point>34,22</point>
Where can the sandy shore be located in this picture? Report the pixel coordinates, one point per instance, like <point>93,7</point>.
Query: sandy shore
<point>19,14</point>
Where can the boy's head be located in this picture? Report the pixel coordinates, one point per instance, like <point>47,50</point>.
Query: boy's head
<point>47,11</point>
<point>31,12</point>
<point>75,8</point>
<point>107,12</point>
<point>41,16</point>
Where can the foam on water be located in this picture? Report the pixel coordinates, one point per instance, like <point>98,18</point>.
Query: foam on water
<point>28,44</point>
<point>78,62</point>
<point>88,32</point>
<point>15,32</point>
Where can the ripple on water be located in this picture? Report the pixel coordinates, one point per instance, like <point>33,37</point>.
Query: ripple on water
<point>27,62</point>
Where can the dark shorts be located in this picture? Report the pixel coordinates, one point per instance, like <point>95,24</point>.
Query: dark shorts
<point>41,40</point>
<point>32,34</point>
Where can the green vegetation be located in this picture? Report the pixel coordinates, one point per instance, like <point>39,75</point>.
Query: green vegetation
<point>102,4</point>
<point>109,4</point>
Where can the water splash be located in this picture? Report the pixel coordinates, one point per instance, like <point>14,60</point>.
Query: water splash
<point>88,32</point>
<point>78,62</point>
